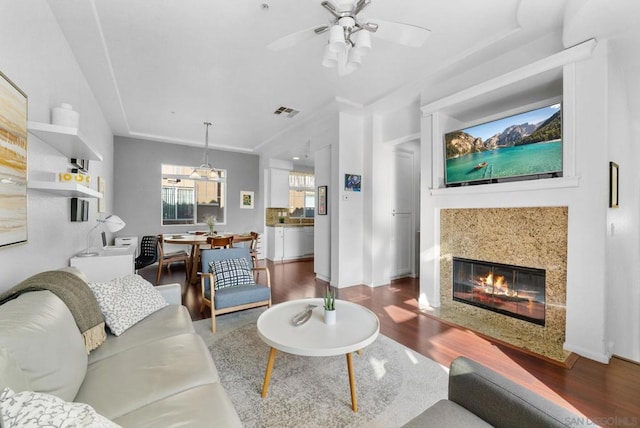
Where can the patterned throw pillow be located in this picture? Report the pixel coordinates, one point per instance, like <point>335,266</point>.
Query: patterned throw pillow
<point>231,272</point>
<point>125,301</point>
<point>35,409</point>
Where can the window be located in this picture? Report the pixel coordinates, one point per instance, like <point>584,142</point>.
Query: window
<point>302,195</point>
<point>189,201</point>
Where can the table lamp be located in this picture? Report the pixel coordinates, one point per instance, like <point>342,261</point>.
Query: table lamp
<point>113,223</point>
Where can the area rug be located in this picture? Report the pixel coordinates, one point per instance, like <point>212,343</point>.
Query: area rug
<point>393,383</point>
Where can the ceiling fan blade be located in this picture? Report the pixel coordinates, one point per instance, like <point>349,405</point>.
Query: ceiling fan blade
<point>293,39</point>
<point>404,34</point>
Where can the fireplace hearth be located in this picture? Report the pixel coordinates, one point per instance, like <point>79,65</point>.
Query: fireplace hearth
<point>514,291</point>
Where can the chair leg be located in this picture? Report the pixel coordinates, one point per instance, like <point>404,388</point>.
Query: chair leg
<point>201,307</point>
<point>159,274</point>
<point>213,321</point>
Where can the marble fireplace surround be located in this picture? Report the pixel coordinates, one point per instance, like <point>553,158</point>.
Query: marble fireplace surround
<point>532,237</point>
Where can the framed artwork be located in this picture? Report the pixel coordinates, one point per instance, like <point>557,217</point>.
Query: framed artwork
<point>13,163</point>
<point>246,199</point>
<point>614,181</point>
<point>322,200</point>
<point>352,182</point>
<point>102,202</point>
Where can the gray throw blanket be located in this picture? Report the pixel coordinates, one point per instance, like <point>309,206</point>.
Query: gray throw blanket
<point>76,294</point>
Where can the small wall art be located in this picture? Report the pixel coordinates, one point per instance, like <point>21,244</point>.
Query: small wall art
<point>322,200</point>
<point>13,163</point>
<point>246,199</point>
<point>352,182</point>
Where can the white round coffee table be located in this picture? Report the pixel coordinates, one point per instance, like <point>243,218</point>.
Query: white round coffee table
<point>355,328</point>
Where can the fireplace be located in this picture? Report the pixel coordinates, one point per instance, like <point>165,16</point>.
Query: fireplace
<point>510,290</point>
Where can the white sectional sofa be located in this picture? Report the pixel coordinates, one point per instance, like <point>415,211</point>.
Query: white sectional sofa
<point>158,373</point>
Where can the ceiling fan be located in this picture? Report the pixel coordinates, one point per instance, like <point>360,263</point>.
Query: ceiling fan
<point>349,36</point>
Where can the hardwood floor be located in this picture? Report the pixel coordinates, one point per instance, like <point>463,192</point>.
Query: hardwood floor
<point>608,394</point>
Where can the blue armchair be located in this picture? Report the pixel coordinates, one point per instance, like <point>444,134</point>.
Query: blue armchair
<point>227,279</point>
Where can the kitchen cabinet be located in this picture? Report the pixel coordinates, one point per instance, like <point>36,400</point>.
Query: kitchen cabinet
<point>292,242</point>
<point>278,188</point>
<point>289,243</point>
<point>275,241</point>
<point>307,240</point>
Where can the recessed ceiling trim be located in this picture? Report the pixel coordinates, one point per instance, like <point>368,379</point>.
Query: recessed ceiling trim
<point>112,73</point>
<point>183,142</point>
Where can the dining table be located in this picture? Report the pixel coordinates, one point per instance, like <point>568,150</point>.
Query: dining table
<point>196,241</point>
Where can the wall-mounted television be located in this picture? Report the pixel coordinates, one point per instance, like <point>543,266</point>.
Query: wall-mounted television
<point>523,146</point>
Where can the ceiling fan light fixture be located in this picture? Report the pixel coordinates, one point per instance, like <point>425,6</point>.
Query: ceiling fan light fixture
<point>337,43</point>
<point>363,43</point>
<point>354,59</point>
<point>330,59</point>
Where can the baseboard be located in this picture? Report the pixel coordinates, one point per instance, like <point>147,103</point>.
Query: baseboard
<point>601,358</point>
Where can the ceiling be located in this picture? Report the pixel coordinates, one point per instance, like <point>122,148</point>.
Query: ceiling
<point>160,68</point>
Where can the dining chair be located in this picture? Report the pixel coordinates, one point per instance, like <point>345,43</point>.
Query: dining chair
<point>220,241</point>
<point>148,252</point>
<point>253,248</point>
<point>228,283</point>
<point>168,258</point>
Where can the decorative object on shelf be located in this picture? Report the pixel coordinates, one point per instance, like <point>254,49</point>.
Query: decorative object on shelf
<point>349,38</point>
<point>79,209</point>
<point>69,177</point>
<point>330,306</point>
<point>81,164</point>
<point>614,180</point>
<point>102,202</point>
<point>113,223</point>
<point>246,199</point>
<point>64,115</point>
<point>352,182</point>
<point>13,174</point>
<point>211,223</point>
<point>322,200</point>
<point>205,171</point>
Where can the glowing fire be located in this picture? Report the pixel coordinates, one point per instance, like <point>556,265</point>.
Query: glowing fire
<point>494,285</point>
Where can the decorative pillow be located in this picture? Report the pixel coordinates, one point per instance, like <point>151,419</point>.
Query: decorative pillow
<point>125,301</point>
<point>231,272</point>
<point>35,409</point>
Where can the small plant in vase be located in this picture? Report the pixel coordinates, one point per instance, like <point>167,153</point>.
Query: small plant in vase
<point>330,306</point>
<point>211,222</point>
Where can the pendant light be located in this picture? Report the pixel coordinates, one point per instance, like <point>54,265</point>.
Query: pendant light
<point>205,170</point>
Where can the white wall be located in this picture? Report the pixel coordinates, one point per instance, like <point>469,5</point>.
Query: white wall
<point>347,261</point>
<point>622,286</point>
<point>35,56</point>
<point>322,223</point>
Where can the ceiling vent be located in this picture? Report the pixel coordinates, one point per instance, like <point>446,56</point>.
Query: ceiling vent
<point>286,112</point>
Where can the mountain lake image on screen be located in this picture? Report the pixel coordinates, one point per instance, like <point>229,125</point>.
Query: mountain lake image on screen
<point>527,145</point>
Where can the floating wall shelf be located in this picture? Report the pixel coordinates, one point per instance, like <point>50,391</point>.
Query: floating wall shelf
<point>73,190</point>
<point>68,141</point>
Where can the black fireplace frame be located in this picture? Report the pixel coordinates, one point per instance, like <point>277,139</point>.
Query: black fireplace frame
<point>512,314</point>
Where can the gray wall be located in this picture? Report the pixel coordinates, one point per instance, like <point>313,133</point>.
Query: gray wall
<point>137,185</point>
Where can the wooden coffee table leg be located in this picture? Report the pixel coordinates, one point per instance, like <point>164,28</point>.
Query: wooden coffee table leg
<point>267,375</point>
<point>352,383</point>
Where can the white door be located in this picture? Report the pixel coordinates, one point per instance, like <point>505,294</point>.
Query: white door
<point>402,240</point>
